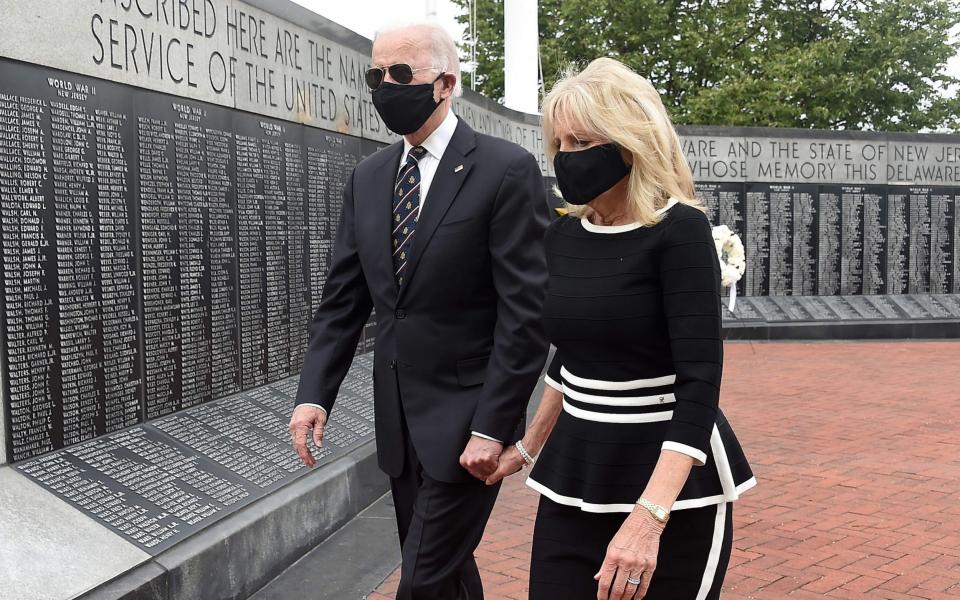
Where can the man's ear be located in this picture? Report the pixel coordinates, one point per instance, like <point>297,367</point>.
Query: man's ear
<point>448,83</point>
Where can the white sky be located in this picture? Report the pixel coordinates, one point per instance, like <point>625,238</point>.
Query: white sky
<point>366,16</point>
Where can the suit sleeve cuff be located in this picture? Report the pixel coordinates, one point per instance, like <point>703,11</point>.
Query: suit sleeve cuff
<point>699,457</point>
<point>552,383</point>
<point>486,437</point>
<point>313,405</point>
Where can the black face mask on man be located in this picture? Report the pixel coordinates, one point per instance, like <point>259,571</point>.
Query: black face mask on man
<point>405,108</point>
<point>586,174</point>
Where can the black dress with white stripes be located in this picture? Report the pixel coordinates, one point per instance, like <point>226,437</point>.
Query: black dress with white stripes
<point>634,312</point>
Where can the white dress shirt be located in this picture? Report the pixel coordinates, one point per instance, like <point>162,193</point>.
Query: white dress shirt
<point>435,145</point>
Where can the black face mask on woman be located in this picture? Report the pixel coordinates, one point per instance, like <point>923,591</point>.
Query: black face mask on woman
<point>585,174</point>
<point>405,108</point>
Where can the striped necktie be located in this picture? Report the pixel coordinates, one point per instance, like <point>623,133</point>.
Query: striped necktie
<point>406,209</point>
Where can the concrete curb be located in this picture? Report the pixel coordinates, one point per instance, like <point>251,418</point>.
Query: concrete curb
<point>844,330</point>
<point>239,554</point>
<point>347,565</point>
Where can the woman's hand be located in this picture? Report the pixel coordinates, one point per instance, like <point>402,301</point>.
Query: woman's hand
<point>510,463</point>
<point>632,554</point>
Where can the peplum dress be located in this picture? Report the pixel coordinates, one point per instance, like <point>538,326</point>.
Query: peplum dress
<point>635,315</point>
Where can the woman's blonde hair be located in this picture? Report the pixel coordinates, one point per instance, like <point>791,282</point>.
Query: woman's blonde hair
<point>609,101</point>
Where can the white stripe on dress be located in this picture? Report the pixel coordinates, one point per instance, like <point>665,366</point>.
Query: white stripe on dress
<point>599,384</point>
<point>710,572</point>
<point>619,400</point>
<point>549,381</point>
<point>611,508</point>
<point>709,500</point>
<point>578,502</point>
<point>589,415</point>
<point>697,455</point>
<point>723,465</point>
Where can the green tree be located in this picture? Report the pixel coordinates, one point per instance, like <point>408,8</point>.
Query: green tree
<point>840,64</point>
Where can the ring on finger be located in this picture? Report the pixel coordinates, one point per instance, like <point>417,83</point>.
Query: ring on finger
<point>634,580</point>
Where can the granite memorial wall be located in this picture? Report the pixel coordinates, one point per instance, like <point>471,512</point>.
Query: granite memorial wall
<point>158,252</point>
<point>834,213</point>
<point>171,177</point>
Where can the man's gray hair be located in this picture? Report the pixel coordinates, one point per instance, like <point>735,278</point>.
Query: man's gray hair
<point>443,49</point>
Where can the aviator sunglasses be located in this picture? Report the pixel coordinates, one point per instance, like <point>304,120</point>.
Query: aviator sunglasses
<point>401,73</point>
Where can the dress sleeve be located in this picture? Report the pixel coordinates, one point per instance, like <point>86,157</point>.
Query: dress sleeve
<point>552,378</point>
<point>690,279</point>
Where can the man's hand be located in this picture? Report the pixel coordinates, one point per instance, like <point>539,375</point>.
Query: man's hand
<point>510,462</point>
<point>303,420</point>
<point>481,457</point>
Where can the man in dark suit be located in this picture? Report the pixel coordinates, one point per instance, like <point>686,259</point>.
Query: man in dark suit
<point>442,234</point>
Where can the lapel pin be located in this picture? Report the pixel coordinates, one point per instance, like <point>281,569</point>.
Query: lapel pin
<point>458,169</point>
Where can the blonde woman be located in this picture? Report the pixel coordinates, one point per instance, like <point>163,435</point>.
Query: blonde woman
<point>638,467</point>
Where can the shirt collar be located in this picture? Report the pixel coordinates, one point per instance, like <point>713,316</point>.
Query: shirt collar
<point>438,141</point>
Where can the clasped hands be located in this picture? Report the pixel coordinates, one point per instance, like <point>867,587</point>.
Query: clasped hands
<point>485,459</point>
<point>508,462</point>
<point>631,555</point>
<point>489,461</point>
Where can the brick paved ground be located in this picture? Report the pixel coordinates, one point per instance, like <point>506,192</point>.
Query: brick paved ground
<point>856,447</point>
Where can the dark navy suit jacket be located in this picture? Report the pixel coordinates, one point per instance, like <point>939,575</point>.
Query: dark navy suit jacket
<point>460,345</point>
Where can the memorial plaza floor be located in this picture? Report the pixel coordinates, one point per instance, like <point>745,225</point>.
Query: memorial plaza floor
<point>856,447</point>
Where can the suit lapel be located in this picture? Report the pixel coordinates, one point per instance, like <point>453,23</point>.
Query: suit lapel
<point>452,171</point>
<point>381,209</point>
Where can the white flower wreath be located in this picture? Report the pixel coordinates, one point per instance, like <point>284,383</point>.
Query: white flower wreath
<point>733,265</point>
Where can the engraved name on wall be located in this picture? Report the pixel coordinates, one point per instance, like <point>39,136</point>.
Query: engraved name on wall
<point>158,253</point>
<point>826,213</point>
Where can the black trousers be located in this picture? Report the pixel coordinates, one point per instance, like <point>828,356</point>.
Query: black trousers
<point>440,525</point>
<point>569,546</point>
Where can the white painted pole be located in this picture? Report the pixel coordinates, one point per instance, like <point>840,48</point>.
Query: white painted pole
<point>520,56</point>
